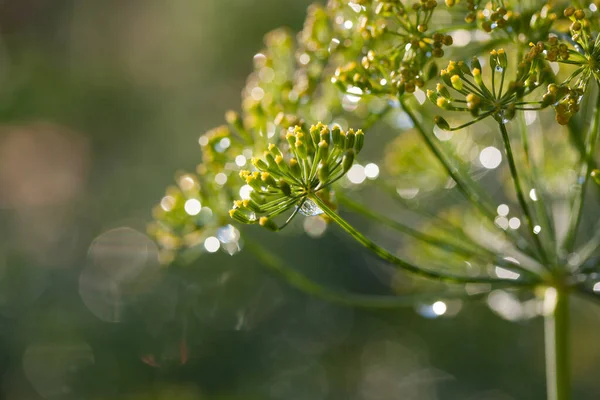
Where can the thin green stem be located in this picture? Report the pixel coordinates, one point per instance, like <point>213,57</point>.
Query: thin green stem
<point>404,265</point>
<point>581,184</point>
<point>585,252</point>
<point>574,136</point>
<point>466,185</point>
<point>308,286</point>
<point>519,190</point>
<point>556,330</point>
<point>479,253</point>
<point>545,214</point>
<point>449,227</point>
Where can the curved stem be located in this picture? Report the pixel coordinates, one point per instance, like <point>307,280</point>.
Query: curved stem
<point>466,185</point>
<point>585,252</point>
<point>582,179</point>
<point>519,190</point>
<point>424,273</point>
<point>477,252</point>
<point>306,285</point>
<point>448,226</point>
<point>556,330</point>
<point>462,183</point>
<point>541,208</point>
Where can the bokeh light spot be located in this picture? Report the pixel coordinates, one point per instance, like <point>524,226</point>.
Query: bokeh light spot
<point>212,244</point>
<point>490,157</point>
<point>192,207</point>
<point>356,174</point>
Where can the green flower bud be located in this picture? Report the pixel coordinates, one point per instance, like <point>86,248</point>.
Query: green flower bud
<point>268,179</point>
<point>295,168</point>
<point>350,137</point>
<point>443,102</point>
<point>431,72</point>
<point>432,96</point>
<point>360,141</point>
<point>291,138</point>
<point>502,59</point>
<point>274,150</point>
<point>268,223</point>
<point>548,99</point>
<point>347,160</point>
<point>254,183</point>
<point>258,199</point>
<point>315,134</point>
<point>475,64</point>
<point>477,77</point>
<point>270,160</point>
<point>493,59</point>
<point>463,68</point>
<point>285,187</point>
<point>301,148</point>
<point>509,112</point>
<point>239,216</point>
<point>446,77</point>
<point>442,123</point>
<point>322,151</point>
<point>595,174</point>
<point>323,172</point>
<point>336,134</point>
<point>251,205</point>
<point>325,135</point>
<point>456,82</point>
<point>442,90</point>
<point>259,164</point>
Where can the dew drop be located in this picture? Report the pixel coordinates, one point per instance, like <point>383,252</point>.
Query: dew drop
<point>310,209</point>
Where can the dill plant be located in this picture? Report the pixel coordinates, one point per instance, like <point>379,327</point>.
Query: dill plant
<point>525,74</point>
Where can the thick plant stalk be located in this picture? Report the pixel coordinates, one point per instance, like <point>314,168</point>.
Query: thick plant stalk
<point>405,265</point>
<point>556,329</point>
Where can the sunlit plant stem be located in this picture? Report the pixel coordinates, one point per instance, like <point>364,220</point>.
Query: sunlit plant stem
<point>519,191</point>
<point>406,266</point>
<point>587,163</point>
<point>466,185</point>
<point>556,330</point>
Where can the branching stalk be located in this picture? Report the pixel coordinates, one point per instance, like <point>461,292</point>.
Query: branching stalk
<point>587,164</point>
<point>466,185</point>
<point>478,253</point>
<point>543,211</point>
<point>404,265</point>
<point>519,191</point>
<point>311,288</point>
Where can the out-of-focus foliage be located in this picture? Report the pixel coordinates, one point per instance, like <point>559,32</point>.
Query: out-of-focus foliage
<point>102,101</point>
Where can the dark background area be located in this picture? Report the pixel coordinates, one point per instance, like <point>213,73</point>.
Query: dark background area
<point>100,103</point>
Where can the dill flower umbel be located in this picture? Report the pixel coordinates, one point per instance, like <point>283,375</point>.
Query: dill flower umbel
<point>500,99</point>
<point>287,176</point>
<point>359,62</point>
<point>400,42</point>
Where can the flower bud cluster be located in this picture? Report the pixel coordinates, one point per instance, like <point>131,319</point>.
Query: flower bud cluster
<point>497,98</point>
<point>566,97</point>
<point>489,15</point>
<point>400,43</point>
<point>310,161</point>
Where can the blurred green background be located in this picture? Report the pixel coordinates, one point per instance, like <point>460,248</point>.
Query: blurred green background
<point>101,101</point>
